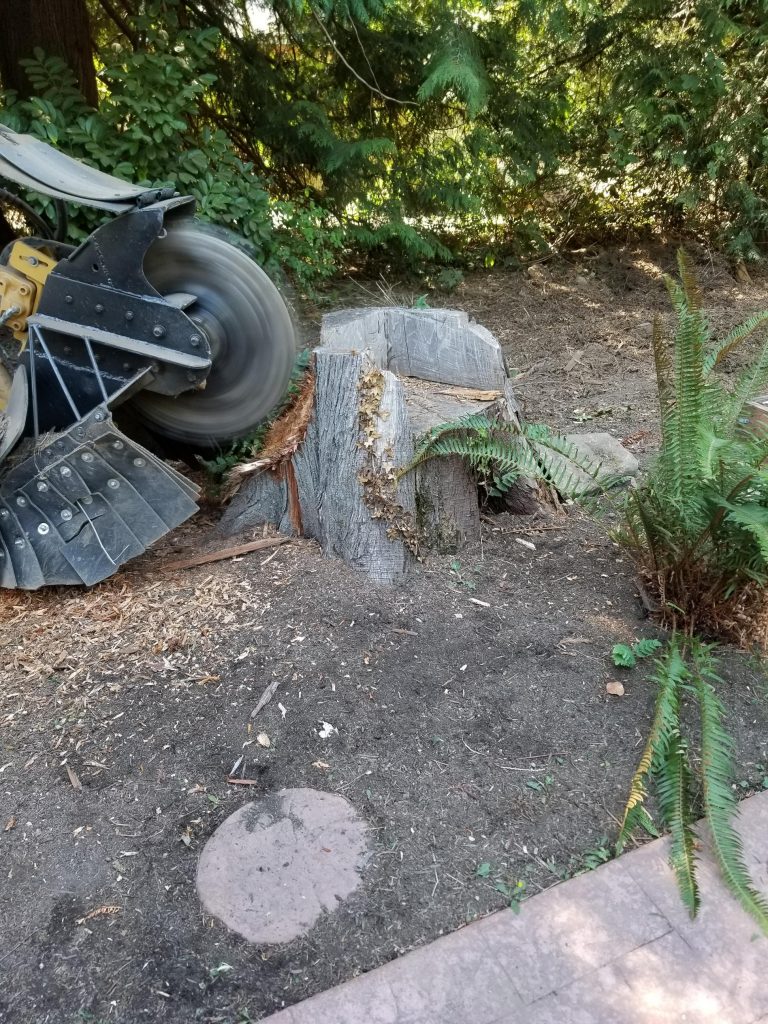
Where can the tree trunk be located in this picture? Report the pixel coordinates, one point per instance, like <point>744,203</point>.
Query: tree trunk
<point>383,377</point>
<point>60,28</point>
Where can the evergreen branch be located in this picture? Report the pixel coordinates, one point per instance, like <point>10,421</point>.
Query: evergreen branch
<point>348,66</point>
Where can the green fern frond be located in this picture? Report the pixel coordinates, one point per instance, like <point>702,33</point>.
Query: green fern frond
<point>734,338</point>
<point>510,451</point>
<point>719,801</point>
<point>669,674</point>
<point>753,382</point>
<point>691,289</point>
<point>673,788</point>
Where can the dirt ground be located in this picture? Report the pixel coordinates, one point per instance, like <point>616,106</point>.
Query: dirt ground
<point>474,730</point>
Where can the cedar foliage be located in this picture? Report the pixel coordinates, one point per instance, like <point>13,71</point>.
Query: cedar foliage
<point>472,131</point>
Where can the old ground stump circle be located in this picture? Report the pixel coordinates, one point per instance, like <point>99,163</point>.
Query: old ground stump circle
<point>271,869</point>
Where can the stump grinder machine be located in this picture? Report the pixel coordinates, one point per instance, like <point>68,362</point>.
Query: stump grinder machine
<point>152,312</point>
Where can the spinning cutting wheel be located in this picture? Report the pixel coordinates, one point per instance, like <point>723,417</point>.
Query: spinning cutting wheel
<point>248,328</point>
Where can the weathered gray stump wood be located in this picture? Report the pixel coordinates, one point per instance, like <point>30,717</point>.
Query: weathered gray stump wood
<point>339,487</point>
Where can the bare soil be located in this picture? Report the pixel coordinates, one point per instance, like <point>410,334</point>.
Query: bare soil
<point>475,733</point>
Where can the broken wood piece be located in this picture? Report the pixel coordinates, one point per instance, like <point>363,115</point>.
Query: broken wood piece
<point>266,697</point>
<point>232,552</point>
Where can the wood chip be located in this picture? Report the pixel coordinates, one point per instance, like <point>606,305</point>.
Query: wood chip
<point>266,697</point>
<point>475,394</point>
<point>105,911</point>
<point>11,823</point>
<point>614,687</point>
<point>222,553</point>
<point>483,604</point>
<point>243,782</point>
<point>76,783</point>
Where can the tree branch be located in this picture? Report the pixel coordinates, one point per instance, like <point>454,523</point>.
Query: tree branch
<point>345,62</point>
<point>130,34</point>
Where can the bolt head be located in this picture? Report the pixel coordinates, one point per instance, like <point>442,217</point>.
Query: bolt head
<point>87,500</point>
<point>19,542</point>
<point>128,314</point>
<point>114,484</point>
<point>21,501</point>
<point>68,299</point>
<point>66,514</point>
<point>194,341</point>
<point>66,471</point>
<point>43,528</point>
<point>87,457</point>
<point>117,445</point>
<point>138,462</point>
<point>99,307</point>
<point>42,485</point>
<point>159,331</point>
<point>4,513</point>
<point>99,416</point>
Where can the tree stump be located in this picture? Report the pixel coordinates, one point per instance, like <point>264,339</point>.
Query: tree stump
<point>329,466</point>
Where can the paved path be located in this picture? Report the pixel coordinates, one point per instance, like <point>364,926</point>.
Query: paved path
<point>614,946</point>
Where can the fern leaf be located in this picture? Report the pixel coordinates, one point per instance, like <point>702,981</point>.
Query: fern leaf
<point>623,656</point>
<point>673,788</point>
<point>719,801</point>
<point>646,647</point>
<point>691,288</point>
<point>750,384</point>
<point>669,674</point>
<point>734,338</point>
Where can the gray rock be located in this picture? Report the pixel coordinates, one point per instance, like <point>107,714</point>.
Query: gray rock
<point>615,462</point>
<point>274,866</point>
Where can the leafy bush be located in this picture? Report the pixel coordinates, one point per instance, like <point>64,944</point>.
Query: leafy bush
<point>430,134</point>
<point>698,525</point>
<point>149,129</point>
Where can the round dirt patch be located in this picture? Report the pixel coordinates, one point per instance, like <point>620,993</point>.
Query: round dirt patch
<point>274,866</point>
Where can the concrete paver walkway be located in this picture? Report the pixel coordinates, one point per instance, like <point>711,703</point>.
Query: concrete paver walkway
<point>614,946</point>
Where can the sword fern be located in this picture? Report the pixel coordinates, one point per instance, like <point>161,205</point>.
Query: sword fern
<point>502,452</point>
<point>698,525</point>
<point>687,671</point>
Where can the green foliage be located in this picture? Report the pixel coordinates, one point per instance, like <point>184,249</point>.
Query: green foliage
<point>625,656</point>
<point>698,525</point>
<point>422,136</point>
<point>686,671</point>
<point>501,453</point>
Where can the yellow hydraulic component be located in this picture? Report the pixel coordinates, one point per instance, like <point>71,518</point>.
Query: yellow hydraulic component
<point>5,387</point>
<point>21,285</point>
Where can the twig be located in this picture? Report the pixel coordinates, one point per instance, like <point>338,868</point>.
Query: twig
<point>233,552</point>
<point>13,950</point>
